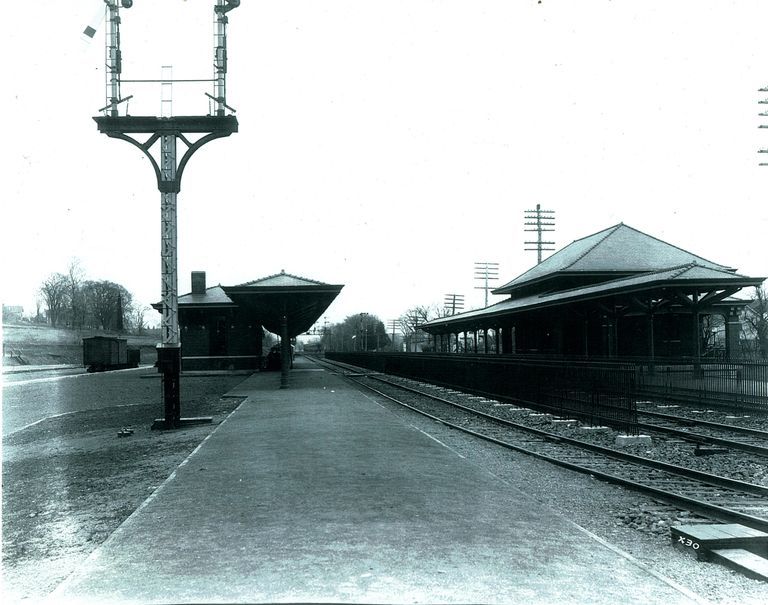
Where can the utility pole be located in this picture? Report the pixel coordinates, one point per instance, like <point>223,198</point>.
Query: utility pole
<point>539,220</point>
<point>487,272</point>
<point>763,114</point>
<point>363,332</point>
<point>393,327</point>
<point>415,319</point>
<point>454,303</point>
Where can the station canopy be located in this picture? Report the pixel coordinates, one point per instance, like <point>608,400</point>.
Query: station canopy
<point>302,301</point>
<point>618,267</point>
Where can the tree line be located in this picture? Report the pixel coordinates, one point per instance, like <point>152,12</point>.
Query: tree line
<point>71,300</point>
<point>366,332</point>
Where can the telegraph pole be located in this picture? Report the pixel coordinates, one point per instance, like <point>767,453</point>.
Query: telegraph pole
<point>763,114</point>
<point>415,319</point>
<point>486,271</point>
<point>540,221</point>
<point>453,303</point>
<point>364,331</point>
<point>393,326</point>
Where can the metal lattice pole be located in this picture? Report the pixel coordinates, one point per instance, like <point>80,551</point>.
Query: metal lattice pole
<point>169,350</point>
<point>112,60</point>
<point>167,130</point>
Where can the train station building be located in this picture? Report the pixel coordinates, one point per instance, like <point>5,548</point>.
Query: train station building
<point>222,326</point>
<point>616,293</point>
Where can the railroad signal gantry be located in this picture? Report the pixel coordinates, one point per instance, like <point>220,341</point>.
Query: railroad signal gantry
<point>193,132</point>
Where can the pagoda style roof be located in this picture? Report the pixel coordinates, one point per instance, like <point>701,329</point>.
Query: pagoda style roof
<point>301,300</point>
<point>268,299</point>
<point>611,253</point>
<point>281,280</point>
<point>617,266</point>
<point>685,279</point>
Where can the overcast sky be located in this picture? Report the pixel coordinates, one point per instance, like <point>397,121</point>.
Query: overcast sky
<point>388,145</point>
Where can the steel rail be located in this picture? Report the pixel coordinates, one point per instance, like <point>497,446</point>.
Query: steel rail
<point>715,425</point>
<point>693,504</point>
<point>717,480</point>
<point>701,438</point>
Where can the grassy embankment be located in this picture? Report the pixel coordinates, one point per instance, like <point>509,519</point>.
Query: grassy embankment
<point>28,344</point>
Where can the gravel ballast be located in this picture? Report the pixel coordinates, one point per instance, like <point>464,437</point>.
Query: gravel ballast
<point>629,521</point>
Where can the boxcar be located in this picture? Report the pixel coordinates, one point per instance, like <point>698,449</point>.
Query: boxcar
<point>102,353</point>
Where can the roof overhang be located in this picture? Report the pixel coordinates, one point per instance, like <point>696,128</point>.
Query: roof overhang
<point>301,305</point>
<point>682,292</point>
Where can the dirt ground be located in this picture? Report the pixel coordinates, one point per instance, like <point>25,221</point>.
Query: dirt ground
<point>69,482</point>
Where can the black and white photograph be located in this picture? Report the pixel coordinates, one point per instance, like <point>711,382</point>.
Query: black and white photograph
<point>366,302</point>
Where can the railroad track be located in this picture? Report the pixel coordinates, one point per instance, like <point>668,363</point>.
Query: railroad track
<point>730,436</point>
<point>713,496</point>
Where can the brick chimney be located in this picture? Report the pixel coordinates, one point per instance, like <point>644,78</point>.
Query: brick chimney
<point>198,282</point>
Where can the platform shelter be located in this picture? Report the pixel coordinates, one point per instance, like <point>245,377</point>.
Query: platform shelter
<point>616,293</point>
<point>222,326</point>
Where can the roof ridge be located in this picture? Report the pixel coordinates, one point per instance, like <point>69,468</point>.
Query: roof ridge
<point>683,269</point>
<point>609,231</point>
<point>677,247</point>
<point>551,259</point>
<point>717,268</point>
<point>281,273</point>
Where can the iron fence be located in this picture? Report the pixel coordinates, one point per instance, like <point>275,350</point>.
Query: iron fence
<point>594,393</point>
<point>736,386</point>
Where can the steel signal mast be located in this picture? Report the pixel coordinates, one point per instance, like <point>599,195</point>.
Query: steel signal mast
<point>193,132</point>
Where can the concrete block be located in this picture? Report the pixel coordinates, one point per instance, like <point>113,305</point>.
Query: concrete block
<point>626,440</point>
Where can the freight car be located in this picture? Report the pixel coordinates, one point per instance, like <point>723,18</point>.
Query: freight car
<point>102,353</point>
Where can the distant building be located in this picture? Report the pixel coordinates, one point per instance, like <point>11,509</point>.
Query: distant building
<point>12,313</point>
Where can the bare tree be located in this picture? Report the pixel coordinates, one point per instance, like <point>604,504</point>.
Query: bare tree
<point>38,315</point>
<point>410,322</point>
<point>75,275</point>
<point>54,291</point>
<point>756,321</point>
<point>138,319</point>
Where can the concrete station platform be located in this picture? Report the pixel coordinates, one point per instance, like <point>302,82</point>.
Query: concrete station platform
<point>318,494</point>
